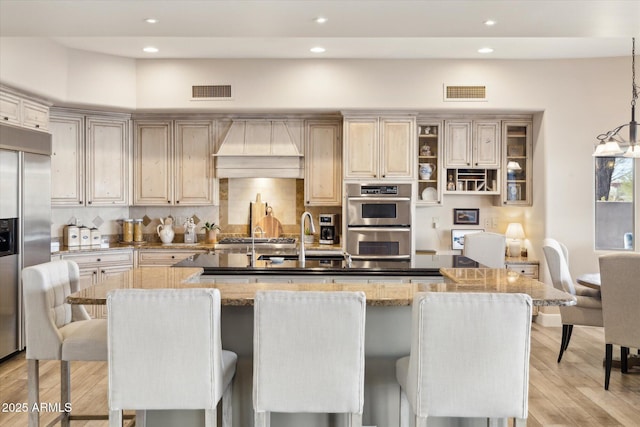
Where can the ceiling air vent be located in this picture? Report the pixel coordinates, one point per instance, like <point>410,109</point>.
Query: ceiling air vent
<point>465,93</point>
<point>211,92</point>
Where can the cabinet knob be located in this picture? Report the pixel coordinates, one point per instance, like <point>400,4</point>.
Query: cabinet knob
<point>178,202</point>
<point>37,126</point>
<point>89,202</point>
<point>103,272</point>
<point>80,202</point>
<point>168,201</point>
<point>173,256</point>
<point>98,260</point>
<point>384,176</point>
<point>6,118</point>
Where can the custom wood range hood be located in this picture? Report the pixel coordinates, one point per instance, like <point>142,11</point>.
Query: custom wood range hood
<point>261,148</point>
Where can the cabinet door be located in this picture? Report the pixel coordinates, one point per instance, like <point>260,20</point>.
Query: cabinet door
<point>486,144</point>
<point>100,311</point>
<point>397,153</point>
<point>153,174</point>
<point>517,163</point>
<point>193,163</point>
<point>361,148</point>
<point>9,109</point>
<point>458,144</point>
<point>89,277</point>
<point>107,162</point>
<point>35,116</point>
<point>323,164</point>
<point>67,160</point>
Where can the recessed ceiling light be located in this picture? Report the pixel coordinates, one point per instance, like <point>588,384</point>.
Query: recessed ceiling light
<point>485,50</point>
<point>489,22</point>
<point>318,49</point>
<point>321,20</point>
<point>150,49</point>
<point>151,21</point>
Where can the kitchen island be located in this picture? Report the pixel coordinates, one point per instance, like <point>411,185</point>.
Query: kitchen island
<point>388,326</point>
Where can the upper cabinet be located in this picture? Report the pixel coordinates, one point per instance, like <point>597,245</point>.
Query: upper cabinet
<point>323,163</point>
<point>472,144</point>
<point>429,162</point>
<point>90,159</point>
<point>20,111</point>
<point>379,147</point>
<point>517,163</point>
<point>173,162</point>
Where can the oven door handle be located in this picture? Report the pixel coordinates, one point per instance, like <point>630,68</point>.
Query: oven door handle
<point>376,228</point>
<point>381,257</point>
<point>378,199</point>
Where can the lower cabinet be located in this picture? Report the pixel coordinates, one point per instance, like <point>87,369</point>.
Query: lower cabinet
<point>529,268</point>
<point>96,267</point>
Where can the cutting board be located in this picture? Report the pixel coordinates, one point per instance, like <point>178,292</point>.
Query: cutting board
<point>271,225</point>
<point>258,210</point>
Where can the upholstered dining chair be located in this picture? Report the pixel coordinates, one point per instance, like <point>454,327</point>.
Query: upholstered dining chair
<point>620,287</point>
<point>588,308</point>
<point>165,352</point>
<point>308,354</point>
<point>486,248</point>
<point>490,380</point>
<point>56,330</point>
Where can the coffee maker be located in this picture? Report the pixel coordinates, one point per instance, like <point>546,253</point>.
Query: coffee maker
<point>328,229</point>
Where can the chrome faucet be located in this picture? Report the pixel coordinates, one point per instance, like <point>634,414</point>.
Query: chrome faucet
<point>301,258</point>
<point>253,244</point>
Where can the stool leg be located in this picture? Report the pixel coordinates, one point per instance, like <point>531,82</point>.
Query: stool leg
<point>33,387</point>
<point>210,417</point>
<point>227,410</point>
<point>354,420</point>
<point>405,411</point>
<point>624,359</point>
<point>607,364</point>
<point>262,419</point>
<point>115,418</point>
<point>65,390</point>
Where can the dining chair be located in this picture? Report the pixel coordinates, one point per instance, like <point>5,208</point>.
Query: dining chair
<point>56,330</point>
<point>165,352</point>
<point>308,354</point>
<point>620,287</point>
<point>588,308</point>
<point>469,357</point>
<point>486,248</point>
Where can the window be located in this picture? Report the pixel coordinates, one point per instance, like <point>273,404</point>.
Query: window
<point>614,210</point>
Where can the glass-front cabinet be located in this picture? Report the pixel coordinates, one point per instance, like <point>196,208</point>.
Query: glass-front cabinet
<point>429,162</point>
<point>516,163</point>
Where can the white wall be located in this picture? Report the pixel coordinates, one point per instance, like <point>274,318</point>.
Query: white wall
<point>574,100</point>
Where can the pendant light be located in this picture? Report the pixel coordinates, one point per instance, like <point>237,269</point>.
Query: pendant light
<point>609,144</point>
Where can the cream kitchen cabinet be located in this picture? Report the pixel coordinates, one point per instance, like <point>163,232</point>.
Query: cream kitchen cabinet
<point>517,163</point>
<point>97,266</point>
<point>20,111</point>
<point>472,144</point>
<point>323,164</point>
<point>380,147</point>
<point>173,163</point>
<point>90,159</point>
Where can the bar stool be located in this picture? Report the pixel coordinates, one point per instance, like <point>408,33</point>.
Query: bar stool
<point>308,354</point>
<point>56,330</point>
<point>469,357</point>
<point>165,352</point>
<point>486,248</point>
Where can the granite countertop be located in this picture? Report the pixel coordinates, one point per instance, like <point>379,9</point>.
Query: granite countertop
<point>378,294</point>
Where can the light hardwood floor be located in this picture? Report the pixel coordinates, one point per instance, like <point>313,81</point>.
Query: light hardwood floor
<point>567,394</point>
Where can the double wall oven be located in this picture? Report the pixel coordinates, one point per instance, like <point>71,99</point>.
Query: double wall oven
<point>378,221</point>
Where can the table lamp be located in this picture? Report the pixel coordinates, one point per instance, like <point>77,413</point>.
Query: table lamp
<point>515,233</point>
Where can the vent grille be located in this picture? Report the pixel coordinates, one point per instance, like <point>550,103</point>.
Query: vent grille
<point>465,93</point>
<point>211,92</point>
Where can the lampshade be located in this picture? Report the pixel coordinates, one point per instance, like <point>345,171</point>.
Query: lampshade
<point>515,231</point>
<point>633,151</point>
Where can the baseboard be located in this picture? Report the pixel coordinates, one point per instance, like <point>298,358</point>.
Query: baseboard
<point>549,320</point>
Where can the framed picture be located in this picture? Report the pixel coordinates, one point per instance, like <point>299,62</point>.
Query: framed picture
<point>457,236</point>
<point>466,216</point>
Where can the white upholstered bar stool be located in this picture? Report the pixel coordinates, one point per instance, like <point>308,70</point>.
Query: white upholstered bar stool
<point>469,357</point>
<point>588,308</point>
<point>486,248</point>
<point>308,354</point>
<point>56,330</point>
<point>620,287</point>
<point>165,352</point>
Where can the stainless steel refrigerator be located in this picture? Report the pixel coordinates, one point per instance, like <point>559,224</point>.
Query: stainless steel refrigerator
<point>25,207</point>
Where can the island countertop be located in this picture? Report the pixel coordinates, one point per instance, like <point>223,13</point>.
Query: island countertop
<point>377,294</point>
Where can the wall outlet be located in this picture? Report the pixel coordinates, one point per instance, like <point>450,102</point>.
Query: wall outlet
<point>435,221</point>
<point>487,223</point>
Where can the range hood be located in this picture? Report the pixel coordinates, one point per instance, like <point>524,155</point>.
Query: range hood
<point>261,149</point>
